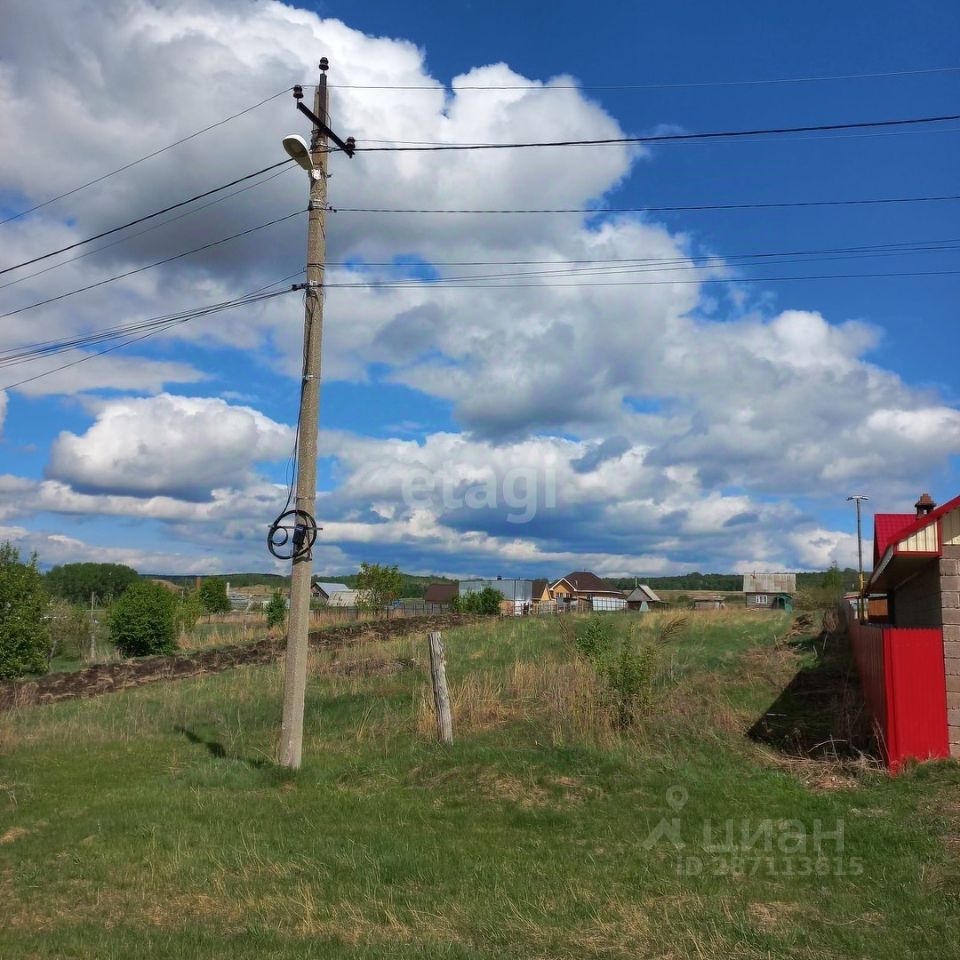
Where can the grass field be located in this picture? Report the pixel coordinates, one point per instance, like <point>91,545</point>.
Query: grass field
<point>152,823</point>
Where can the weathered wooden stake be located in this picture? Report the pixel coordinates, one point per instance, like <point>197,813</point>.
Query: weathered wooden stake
<point>441,700</point>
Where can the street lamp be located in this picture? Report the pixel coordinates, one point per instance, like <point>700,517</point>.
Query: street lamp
<point>298,150</point>
<point>857,497</point>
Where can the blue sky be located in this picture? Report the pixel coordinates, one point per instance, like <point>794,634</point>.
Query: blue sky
<point>646,429</point>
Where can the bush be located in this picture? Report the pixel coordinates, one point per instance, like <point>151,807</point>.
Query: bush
<point>626,675</point>
<point>485,602</point>
<point>142,621</point>
<point>70,629</point>
<point>593,641</point>
<point>628,681</point>
<point>24,636</point>
<point>276,610</point>
<point>187,611</point>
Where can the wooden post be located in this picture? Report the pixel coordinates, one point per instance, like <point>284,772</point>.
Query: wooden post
<point>441,700</point>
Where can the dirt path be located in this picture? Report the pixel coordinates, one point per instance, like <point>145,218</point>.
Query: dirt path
<point>111,677</point>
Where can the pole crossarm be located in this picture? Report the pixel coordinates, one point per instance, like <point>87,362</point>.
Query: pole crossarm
<point>348,146</point>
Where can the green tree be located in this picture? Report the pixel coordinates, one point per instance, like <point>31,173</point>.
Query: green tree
<point>378,585</point>
<point>276,610</point>
<point>24,636</point>
<point>213,596</point>
<point>142,621</point>
<point>187,612</point>
<point>76,581</point>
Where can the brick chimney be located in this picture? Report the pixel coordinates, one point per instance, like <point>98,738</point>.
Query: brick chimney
<point>925,504</point>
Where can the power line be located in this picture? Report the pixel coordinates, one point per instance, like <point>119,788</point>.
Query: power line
<point>149,266</point>
<point>906,246</point>
<point>140,233</point>
<point>662,138</point>
<point>149,216</point>
<point>647,283</point>
<point>621,269</point>
<point>158,325</point>
<point>148,156</point>
<point>648,86</point>
<point>687,208</point>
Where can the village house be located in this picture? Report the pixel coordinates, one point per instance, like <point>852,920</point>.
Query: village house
<point>582,590</point>
<point>324,591</point>
<point>440,596</point>
<point>769,591</point>
<point>642,598</point>
<point>909,666</point>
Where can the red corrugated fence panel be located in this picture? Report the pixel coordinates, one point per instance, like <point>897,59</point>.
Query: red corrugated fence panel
<point>916,694</point>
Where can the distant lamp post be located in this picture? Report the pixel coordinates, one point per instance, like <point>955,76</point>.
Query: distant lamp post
<point>857,498</point>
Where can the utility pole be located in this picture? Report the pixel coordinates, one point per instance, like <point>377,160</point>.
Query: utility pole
<point>858,498</point>
<point>93,628</point>
<point>295,665</point>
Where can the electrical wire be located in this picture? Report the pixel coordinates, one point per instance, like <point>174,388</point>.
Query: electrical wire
<point>906,246</point>
<point>687,208</point>
<point>381,285</point>
<point>662,138</point>
<point>647,86</point>
<point>148,156</point>
<point>150,266</point>
<point>625,269</point>
<point>158,325</point>
<point>140,233</point>
<point>149,216</point>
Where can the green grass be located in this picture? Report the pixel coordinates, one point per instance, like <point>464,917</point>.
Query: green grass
<point>152,823</point>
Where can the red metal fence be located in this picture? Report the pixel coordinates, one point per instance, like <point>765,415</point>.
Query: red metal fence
<point>901,672</point>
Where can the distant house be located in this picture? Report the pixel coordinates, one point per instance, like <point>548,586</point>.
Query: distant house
<point>343,598</point>
<point>542,598</point>
<point>440,596</point>
<point>769,591</point>
<point>324,591</point>
<point>642,599</point>
<point>708,603</point>
<point>582,590</point>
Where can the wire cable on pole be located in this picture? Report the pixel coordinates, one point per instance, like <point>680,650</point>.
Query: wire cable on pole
<point>150,266</point>
<point>140,233</point>
<point>647,86</point>
<point>148,156</point>
<point>149,216</point>
<point>682,208</point>
<point>144,330</point>
<point>663,137</point>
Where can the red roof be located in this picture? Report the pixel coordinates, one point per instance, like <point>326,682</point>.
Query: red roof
<point>918,523</point>
<point>887,528</point>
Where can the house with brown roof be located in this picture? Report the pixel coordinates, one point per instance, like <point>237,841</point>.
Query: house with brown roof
<point>440,596</point>
<point>583,590</point>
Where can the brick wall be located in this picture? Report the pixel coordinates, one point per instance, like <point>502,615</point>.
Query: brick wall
<point>918,603</point>
<point>950,611</point>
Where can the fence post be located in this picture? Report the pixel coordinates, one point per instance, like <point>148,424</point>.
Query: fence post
<point>441,699</point>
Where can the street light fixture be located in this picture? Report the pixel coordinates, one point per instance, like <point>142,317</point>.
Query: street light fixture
<point>298,150</point>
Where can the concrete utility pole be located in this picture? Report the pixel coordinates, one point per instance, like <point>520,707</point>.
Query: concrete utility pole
<point>858,498</point>
<point>295,668</point>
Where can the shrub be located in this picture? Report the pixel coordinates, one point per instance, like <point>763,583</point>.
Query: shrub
<point>142,621</point>
<point>187,611</point>
<point>378,586</point>
<point>276,610</point>
<point>485,602</point>
<point>628,682</point>
<point>593,641</point>
<point>24,636</point>
<point>70,627</point>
